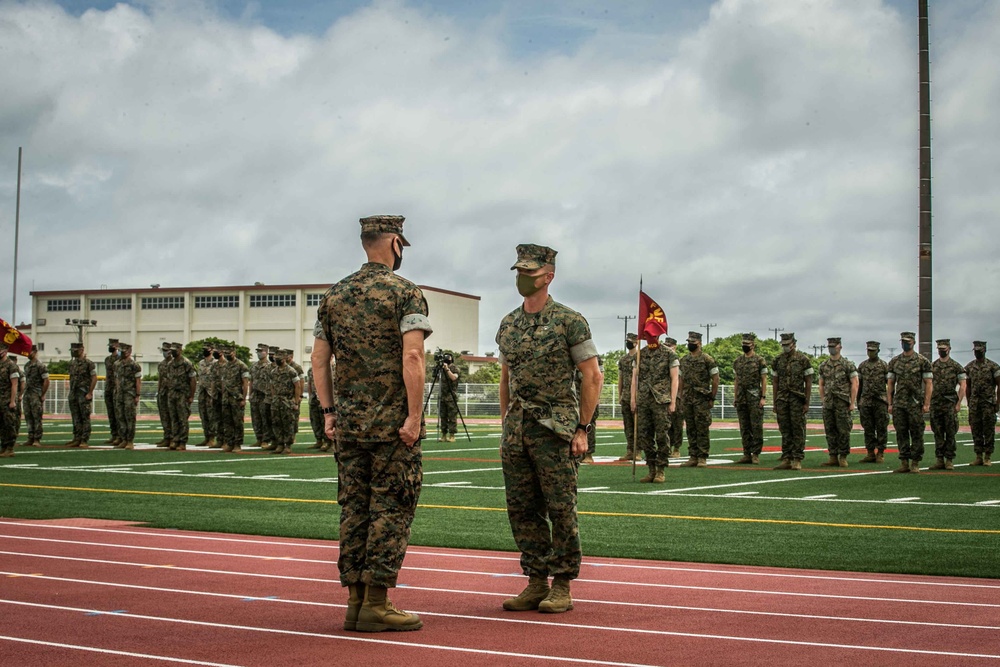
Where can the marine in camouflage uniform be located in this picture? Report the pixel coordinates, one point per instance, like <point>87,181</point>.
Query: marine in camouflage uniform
<point>82,380</point>
<point>374,323</point>
<point>235,381</point>
<point>36,376</point>
<point>109,389</point>
<point>20,397</point>
<point>9,420</point>
<point>838,391</point>
<point>791,373</point>
<point>542,344</point>
<point>285,396</point>
<point>699,382</point>
<point>128,375</point>
<point>261,429</point>
<point>625,365</point>
<point>872,403</point>
<point>267,378</point>
<point>655,400</point>
<point>946,401</point>
<point>592,433</point>
<point>749,395</point>
<point>205,405</point>
<point>163,388</point>
<point>323,441</point>
<point>910,381</point>
<point>447,401</point>
<point>301,379</point>
<point>984,397</point>
<point>180,395</point>
<point>676,429</point>
<point>215,374</point>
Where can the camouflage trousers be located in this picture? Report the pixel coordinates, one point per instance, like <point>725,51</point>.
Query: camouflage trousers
<point>908,422</point>
<point>983,420</point>
<point>283,420</point>
<point>944,425</point>
<point>448,416</point>
<point>79,409</point>
<point>267,420</point>
<point>653,420</point>
<point>875,422</point>
<point>698,420</point>
<point>316,420</point>
<point>539,473</point>
<point>125,411</point>
<point>751,418</point>
<point>231,426</point>
<point>628,423</point>
<point>109,404</point>
<point>838,424</point>
<point>592,436</point>
<point>792,425</point>
<point>676,429</point>
<point>33,414</point>
<point>162,408</point>
<point>205,414</point>
<point>260,433</point>
<point>379,485</point>
<point>10,420</point>
<point>178,411</point>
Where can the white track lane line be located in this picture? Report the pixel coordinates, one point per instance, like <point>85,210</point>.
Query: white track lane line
<point>106,651</point>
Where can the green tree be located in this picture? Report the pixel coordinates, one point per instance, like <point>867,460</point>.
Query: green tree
<point>58,367</point>
<point>487,374</point>
<point>611,365</point>
<point>193,349</point>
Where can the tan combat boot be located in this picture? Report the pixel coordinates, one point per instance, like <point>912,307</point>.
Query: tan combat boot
<point>692,462</point>
<point>746,459</point>
<point>675,452</point>
<point>128,445</point>
<point>268,447</point>
<point>658,478</point>
<point>215,444</point>
<point>356,595</point>
<point>529,599</point>
<point>227,447</point>
<point>870,458</point>
<point>378,614</point>
<point>559,599</point>
<point>831,462</point>
<point>755,460</point>
<point>627,456</point>
<point>650,476</point>
<point>784,465</point>
<point>880,457</point>
<point>76,443</point>
<point>161,442</point>
<point>796,465</point>
<point>237,448</point>
<point>914,466</point>
<point>904,466</point>
<point>949,464</point>
<point>119,445</point>
<point>164,444</point>
<point>937,465</point>
<point>977,462</point>
<point>6,453</point>
<point>986,460</point>
<point>181,447</point>
<point>842,461</point>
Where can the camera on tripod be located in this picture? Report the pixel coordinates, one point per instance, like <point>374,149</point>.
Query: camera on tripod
<point>441,358</point>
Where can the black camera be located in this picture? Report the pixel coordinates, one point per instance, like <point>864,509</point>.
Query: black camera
<point>442,357</point>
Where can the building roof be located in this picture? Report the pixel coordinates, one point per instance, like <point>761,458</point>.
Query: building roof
<point>218,288</point>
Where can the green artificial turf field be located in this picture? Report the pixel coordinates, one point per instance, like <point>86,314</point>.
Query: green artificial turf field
<point>859,518</point>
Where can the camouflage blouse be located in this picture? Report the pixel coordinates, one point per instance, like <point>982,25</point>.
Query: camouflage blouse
<point>983,376</point>
<point>790,370</point>
<point>654,373</point>
<point>909,373</point>
<point>871,381</point>
<point>948,373</point>
<point>836,375</point>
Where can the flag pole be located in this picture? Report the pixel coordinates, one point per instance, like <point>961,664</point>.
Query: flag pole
<point>635,389</point>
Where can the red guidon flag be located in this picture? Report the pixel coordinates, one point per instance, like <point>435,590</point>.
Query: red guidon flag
<point>15,340</point>
<point>652,321</point>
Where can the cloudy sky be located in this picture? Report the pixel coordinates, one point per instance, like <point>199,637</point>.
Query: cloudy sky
<point>754,161</point>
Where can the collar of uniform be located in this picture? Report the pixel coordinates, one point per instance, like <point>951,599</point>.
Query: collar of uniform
<point>375,267</point>
<point>526,319</point>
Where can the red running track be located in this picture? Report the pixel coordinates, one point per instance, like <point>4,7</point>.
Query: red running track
<point>83,592</point>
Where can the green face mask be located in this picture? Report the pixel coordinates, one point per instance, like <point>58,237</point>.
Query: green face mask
<point>526,284</point>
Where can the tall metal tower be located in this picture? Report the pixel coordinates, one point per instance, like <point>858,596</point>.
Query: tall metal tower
<point>925,293</point>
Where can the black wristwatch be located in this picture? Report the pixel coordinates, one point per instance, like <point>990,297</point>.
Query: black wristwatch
<point>329,411</point>
<point>586,428</point>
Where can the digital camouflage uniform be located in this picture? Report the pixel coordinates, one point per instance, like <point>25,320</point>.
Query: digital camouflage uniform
<point>676,429</point>
<point>35,373</point>
<point>283,413</point>
<point>300,376</point>
<point>748,371</point>
<point>872,403</point>
<point>652,404</point>
<point>448,402</point>
<point>180,372</point>
<point>625,365</point>
<point>215,374</point>
<point>983,376</point>
<point>323,443</point>
<point>592,434</point>
<point>205,405</point>
<point>127,371</point>
<point>163,390</point>
<point>948,373</point>
<point>9,420</point>
<point>542,351</point>
<point>697,371</point>
<point>838,422</point>
<point>261,430</point>
<point>267,414</point>
<point>789,372</point>
<point>364,317</point>
<point>19,398</point>
<point>109,393</point>
<point>80,373</point>
<point>909,373</point>
<point>231,426</point>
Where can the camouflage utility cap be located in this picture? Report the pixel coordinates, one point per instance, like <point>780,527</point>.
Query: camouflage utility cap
<point>979,345</point>
<point>384,224</point>
<point>787,338</point>
<point>76,346</point>
<point>669,341</point>
<point>34,348</point>
<point>908,335</point>
<point>631,338</point>
<point>874,345</point>
<point>694,336</point>
<point>126,346</point>
<point>533,257</point>
<point>112,341</point>
<point>833,341</point>
<point>749,339</point>
<point>262,346</point>
<point>944,342</point>
<point>165,346</point>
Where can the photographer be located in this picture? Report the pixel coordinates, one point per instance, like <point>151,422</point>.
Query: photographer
<point>447,397</point>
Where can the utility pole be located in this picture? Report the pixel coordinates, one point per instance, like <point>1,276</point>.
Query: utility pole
<point>17,229</point>
<point>925,315</point>
<point>626,318</point>
<point>80,326</point>
<point>708,331</point>
<point>892,352</point>
<point>816,349</point>
<point>775,330</point>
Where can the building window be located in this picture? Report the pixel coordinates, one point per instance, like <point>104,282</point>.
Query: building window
<point>111,303</point>
<point>313,299</point>
<point>62,305</point>
<point>272,300</point>
<point>162,302</point>
<point>227,301</point>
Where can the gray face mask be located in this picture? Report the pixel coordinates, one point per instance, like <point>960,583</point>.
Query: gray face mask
<point>786,347</point>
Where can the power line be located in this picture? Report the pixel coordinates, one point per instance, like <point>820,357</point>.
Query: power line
<point>627,318</point>
<point>708,331</point>
<point>775,330</point>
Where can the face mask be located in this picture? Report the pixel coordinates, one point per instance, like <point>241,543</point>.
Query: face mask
<point>231,357</point>
<point>526,285</point>
<point>270,358</point>
<point>832,351</point>
<point>216,354</point>
<point>980,354</point>
<point>397,260</point>
<point>280,361</point>
<point>206,353</point>
<point>629,346</point>
<point>111,350</point>
<point>942,353</point>
<point>166,354</point>
<point>873,354</point>
<point>692,347</point>
<point>747,348</point>
<point>261,354</point>
<point>786,348</point>
<point>907,346</point>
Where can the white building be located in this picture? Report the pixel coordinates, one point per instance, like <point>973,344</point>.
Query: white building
<point>281,315</point>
